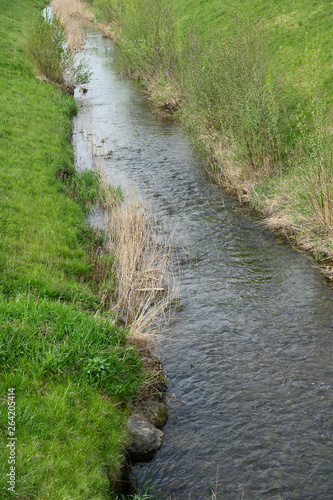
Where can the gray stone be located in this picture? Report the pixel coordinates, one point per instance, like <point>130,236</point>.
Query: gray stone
<point>154,411</point>
<point>146,439</point>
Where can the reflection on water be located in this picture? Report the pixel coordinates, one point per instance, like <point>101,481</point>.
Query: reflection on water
<point>47,13</point>
<point>249,358</point>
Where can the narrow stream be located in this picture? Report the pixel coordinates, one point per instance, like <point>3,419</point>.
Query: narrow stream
<point>249,358</point>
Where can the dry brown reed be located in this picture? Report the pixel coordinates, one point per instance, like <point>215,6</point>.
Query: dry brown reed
<point>166,96</point>
<point>142,263</point>
<point>133,269</point>
<point>224,167</point>
<point>71,14</point>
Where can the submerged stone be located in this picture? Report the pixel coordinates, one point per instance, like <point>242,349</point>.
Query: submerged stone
<point>146,438</point>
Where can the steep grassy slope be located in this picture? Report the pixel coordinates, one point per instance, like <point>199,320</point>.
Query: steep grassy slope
<point>290,26</point>
<point>296,40</point>
<point>68,365</point>
<point>293,31</point>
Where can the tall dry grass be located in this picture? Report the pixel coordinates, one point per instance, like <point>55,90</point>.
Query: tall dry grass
<point>318,186</point>
<point>72,13</point>
<point>139,282</point>
<point>142,263</point>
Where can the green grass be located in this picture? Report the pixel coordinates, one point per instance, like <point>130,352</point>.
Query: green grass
<point>287,25</point>
<point>69,440</point>
<point>53,340</point>
<point>34,133</point>
<point>70,365</point>
<point>292,33</point>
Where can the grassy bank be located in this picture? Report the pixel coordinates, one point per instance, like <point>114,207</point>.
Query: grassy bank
<point>254,84</point>
<point>70,366</point>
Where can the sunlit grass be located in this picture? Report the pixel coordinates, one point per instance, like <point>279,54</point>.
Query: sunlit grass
<point>287,24</point>
<point>69,440</point>
<point>71,367</point>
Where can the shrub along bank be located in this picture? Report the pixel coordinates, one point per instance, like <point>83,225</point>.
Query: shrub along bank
<point>67,364</point>
<point>254,84</point>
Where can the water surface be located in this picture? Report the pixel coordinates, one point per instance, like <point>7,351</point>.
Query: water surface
<point>249,358</point>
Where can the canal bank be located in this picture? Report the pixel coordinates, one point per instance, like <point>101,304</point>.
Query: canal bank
<point>248,358</point>
<point>65,362</point>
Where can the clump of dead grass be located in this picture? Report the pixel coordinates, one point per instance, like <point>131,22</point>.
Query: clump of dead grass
<point>137,272</point>
<point>224,166</point>
<point>135,263</point>
<point>318,185</point>
<point>142,264</point>
<point>72,14</point>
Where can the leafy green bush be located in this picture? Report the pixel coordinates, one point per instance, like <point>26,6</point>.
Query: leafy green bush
<point>229,87</point>
<point>150,40</point>
<point>110,9</point>
<point>225,78</point>
<point>45,46</point>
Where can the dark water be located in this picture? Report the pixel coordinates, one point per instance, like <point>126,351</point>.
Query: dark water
<point>249,358</point>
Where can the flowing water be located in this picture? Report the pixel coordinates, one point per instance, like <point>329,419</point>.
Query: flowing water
<point>249,358</point>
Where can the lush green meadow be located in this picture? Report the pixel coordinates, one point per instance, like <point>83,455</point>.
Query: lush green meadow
<point>252,82</point>
<point>289,26</point>
<point>70,366</point>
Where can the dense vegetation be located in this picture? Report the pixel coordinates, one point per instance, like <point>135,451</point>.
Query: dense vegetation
<point>70,365</point>
<point>254,84</point>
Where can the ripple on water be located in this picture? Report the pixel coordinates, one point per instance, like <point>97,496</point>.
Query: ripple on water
<point>249,359</point>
